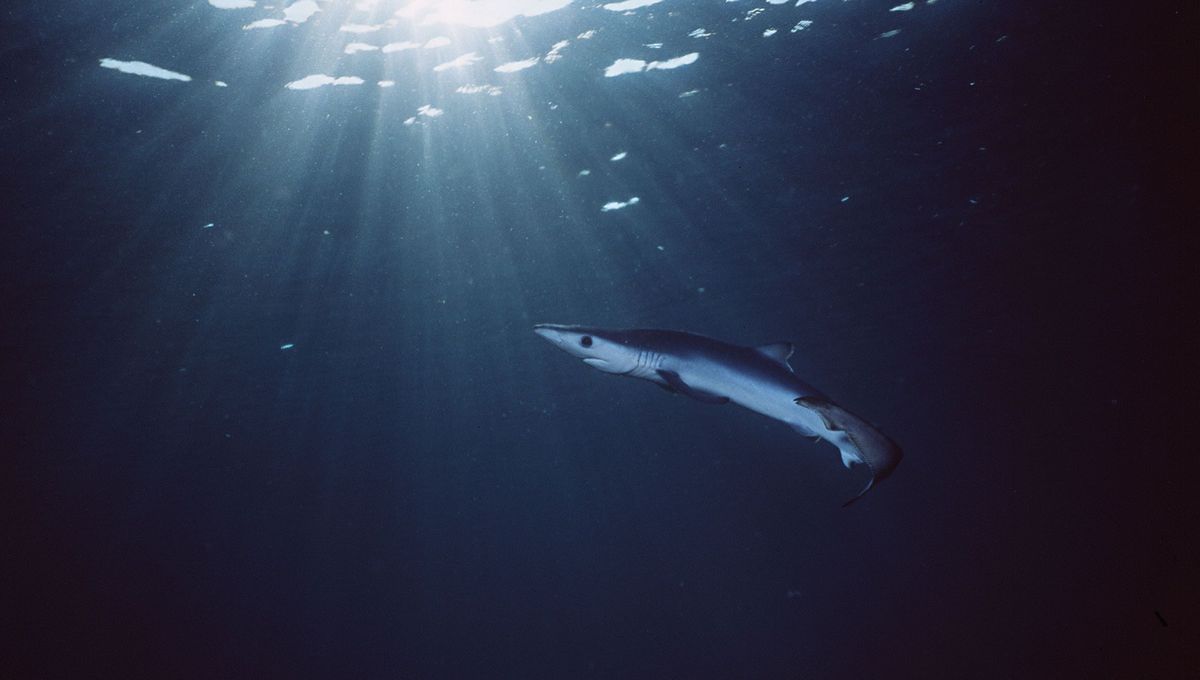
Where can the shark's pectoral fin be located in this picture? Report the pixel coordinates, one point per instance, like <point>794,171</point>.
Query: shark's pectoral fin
<point>677,384</point>
<point>667,387</point>
<point>856,439</point>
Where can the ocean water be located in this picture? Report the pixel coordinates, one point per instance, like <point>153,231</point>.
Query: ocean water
<point>276,408</point>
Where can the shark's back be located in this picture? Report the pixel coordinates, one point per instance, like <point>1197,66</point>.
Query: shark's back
<point>748,361</point>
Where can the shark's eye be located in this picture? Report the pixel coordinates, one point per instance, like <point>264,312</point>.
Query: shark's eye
<point>586,341</point>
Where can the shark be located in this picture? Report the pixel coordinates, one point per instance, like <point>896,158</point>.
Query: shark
<point>715,372</point>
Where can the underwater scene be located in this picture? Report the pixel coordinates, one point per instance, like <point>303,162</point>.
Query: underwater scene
<point>567,339</point>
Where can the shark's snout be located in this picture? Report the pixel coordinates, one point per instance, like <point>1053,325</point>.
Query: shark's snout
<point>550,332</point>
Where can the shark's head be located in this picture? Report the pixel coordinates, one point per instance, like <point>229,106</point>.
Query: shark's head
<point>600,349</point>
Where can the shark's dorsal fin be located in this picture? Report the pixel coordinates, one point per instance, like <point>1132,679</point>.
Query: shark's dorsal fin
<point>779,352</point>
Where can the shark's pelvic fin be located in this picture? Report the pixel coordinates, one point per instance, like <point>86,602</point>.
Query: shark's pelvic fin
<point>856,439</point>
<point>677,384</point>
<point>779,352</point>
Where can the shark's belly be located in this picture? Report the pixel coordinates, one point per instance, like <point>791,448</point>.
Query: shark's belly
<point>772,396</point>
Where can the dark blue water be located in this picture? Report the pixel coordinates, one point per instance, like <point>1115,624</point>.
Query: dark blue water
<point>318,437</point>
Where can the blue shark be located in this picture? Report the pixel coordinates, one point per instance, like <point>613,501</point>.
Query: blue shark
<point>716,372</point>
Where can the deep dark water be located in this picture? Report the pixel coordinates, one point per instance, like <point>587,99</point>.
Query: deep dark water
<point>420,487</point>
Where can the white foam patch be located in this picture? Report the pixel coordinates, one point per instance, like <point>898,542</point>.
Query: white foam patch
<point>699,33</point>
<point>479,89</point>
<point>387,83</point>
<point>300,12</point>
<point>621,67</point>
<point>476,13</point>
<point>321,80</point>
<point>890,34</point>
<point>617,205</point>
<point>220,83</point>
<point>769,32</point>
<point>263,23</point>
<point>629,5</point>
<point>801,25</point>
<point>232,4</point>
<point>514,66</point>
<point>400,46</point>
<point>356,47</point>
<point>619,156</point>
<point>903,8</point>
<point>684,60</point>
<point>141,68</point>
<point>440,41</point>
<point>429,111</point>
<point>555,52</point>
<point>458,62</point>
<point>359,29</point>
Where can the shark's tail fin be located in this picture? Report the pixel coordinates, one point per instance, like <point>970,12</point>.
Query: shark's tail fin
<point>856,439</point>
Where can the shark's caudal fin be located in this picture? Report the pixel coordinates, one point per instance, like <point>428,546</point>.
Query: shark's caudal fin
<point>856,439</point>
